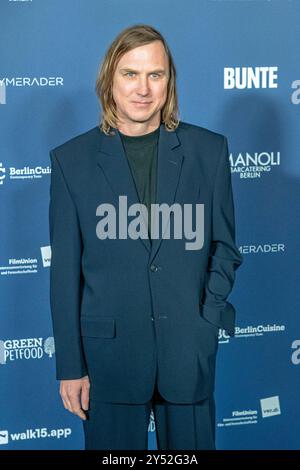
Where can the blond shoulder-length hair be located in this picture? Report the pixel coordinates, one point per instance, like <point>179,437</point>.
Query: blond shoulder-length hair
<point>128,39</point>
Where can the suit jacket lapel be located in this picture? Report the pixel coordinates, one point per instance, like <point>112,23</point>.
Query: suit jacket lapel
<point>169,164</point>
<point>112,160</point>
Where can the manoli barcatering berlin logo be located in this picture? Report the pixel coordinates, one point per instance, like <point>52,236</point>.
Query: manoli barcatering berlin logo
<point>254,164</point>
<point>160,215</point>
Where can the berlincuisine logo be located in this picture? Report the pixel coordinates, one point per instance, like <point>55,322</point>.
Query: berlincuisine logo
<point>25,173</point>
<point>251,331</point>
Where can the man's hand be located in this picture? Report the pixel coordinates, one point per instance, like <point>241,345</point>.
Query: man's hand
<point>75,395</point>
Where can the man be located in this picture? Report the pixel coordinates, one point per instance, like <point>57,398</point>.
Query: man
<point>136,317</point>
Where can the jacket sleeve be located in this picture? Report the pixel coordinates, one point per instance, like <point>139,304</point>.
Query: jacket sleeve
<point>225,257</point>
<point>65,277</point>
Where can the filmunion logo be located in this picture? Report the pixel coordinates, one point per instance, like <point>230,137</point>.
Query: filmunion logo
<point>239,418</point>
<point>19,266</point>
<point>26,348</point>
<point>250,77</point>
<point>270,406</point>
<point>138,227</point>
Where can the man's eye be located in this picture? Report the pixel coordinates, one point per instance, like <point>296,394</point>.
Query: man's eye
<point>130,74</point>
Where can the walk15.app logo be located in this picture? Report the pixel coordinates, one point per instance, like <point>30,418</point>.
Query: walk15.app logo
<point>26,349</point>
<point>36,433</point>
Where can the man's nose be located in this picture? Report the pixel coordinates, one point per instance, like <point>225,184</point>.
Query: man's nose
<point>143,86</point>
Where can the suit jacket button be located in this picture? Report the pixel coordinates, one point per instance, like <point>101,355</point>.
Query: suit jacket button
<point>153,268</point>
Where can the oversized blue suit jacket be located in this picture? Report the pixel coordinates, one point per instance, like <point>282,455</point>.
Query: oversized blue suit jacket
<point>121,307</point>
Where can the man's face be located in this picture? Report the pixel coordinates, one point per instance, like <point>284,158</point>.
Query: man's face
<point>140,84</point>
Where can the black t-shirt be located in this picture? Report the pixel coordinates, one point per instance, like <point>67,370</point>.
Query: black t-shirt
<point>141,152</point>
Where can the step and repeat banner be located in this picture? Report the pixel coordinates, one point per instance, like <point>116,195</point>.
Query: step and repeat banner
<point>238,74</point>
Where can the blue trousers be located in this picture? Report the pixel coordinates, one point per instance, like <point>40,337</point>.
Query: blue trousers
<point>118,426</point>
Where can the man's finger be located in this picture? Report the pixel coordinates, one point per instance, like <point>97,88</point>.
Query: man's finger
<point>80,413</point>
<point>66,401</point>
<point>85,394</point>
<point>76,408</point>
<point>65,404</point>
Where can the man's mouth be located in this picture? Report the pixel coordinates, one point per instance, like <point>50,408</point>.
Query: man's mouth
<point>141,103</point>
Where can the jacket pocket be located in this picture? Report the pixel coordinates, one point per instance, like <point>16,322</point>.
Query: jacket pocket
<point>98,327</point>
